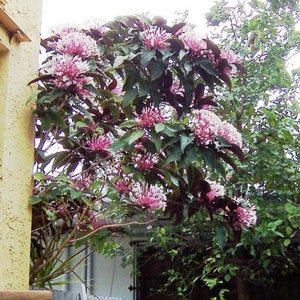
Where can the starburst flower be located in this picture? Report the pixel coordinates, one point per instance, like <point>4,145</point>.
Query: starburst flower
<point>99,143</point>
<point>90,127</point>
<point>82,182</point>
<point>149,117</point>
<point>118,89</point>
<point>205,125</point>
<point>192,41</point>
<point>230,56</point>
<point>150,196</point>
<point>97,220</point>
<point>216,190</point>
<point>233,62</point>
<point>228,132</point>
<point>155,37</point>
<point>124,184</point>
<point>69,73</point>
<point>145,162</point>
<point>245,214</point>
<point>77,43</point>
<point>168,112</point>
<point>176,88</point>
<point>63,30</point>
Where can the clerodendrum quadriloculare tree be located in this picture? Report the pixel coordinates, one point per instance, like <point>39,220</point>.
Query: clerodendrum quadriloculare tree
<point>264,106</point>
<point>126,132</point>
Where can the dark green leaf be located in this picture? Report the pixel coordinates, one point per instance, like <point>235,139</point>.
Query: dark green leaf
<point>53,118</point>
<point>208,66</point>
<point>135,135</point>
<point>128,124</point>
<point>155,70</point>
<point>185,140</point>
<point>221,236</point>
<point>146,57</point>
<point>35,199</point>
<point>130,96</point>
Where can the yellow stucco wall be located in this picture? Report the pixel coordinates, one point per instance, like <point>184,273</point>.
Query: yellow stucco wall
<point>18,65</point>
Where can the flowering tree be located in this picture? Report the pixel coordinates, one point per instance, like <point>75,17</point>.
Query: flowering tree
<point>126,131</point>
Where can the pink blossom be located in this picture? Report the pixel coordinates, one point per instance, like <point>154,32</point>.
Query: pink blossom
<point>77,43</point>
<point>216,190</point>
<point>96,24</point>
<point>91,127</point>
<point>81,182</point>
<point>149,117</point>
<point>152,196</point>
<point>176,88</point>
<point>84,93</point>
<point>59,32</point>
<point>230,134</point>
<point>245,214</point>
<point>192,41</point>
<point>145,162</point>
<point>63,30</point>
<point>118,90</point>
<point>124,184</point>
<point>97,221</point>
<point>231,57</point>
<point>168,112</point>
<point>205,125</point>
<point>155,37</point>
<point>69,72</point>
<point>196,46</point>
<point>98,143</point>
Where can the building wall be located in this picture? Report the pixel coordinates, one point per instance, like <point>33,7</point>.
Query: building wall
<point>18,65</point>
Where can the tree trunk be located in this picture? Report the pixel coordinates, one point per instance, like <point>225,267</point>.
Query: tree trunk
<point>242,287</point>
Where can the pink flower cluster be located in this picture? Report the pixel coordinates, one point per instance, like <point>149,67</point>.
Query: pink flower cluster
<point>124,184</point>
<point>148,196</point>
<point>74,42</point>
<point>207,126</point>
<point>118,89</point>
<point>68,71</point>
<point>155,37</point>
<point>193,42</point>
<point>230,134</point>
<point>145,162</point>
<point>216,190</point>
<point>176,88</point>
<point>69,66</point>
<point>230,56</point>
<point>149,117</point>
<point>233,61</point>
<point>99,143</point>
<point>97,220</point>
<point>197,45</point>
<point>82,182</point>
<point>77,43</point>
<point>245,214</point>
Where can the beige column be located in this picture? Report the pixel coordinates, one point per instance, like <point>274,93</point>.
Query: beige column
<point>19,50</point>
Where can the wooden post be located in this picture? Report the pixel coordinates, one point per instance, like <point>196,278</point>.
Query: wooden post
<point>20,22</point>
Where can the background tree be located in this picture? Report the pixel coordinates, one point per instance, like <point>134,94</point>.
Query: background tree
<point>265,107</point>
